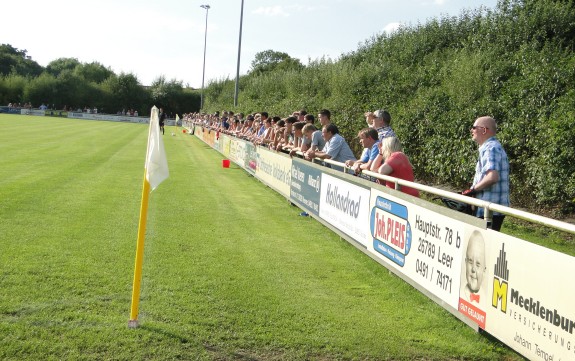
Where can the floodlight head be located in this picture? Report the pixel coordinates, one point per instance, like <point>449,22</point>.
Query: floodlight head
<point>207,7</point>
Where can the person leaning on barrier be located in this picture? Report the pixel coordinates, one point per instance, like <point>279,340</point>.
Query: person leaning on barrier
<point>369,140</point>
<point>248,128</point>
<point>336,148</point>
<point>491,180</point>
<point>302,141</point>
<point>298,134</point>
<point>316,141</point>
<point>279,134</point>
<point>393,162</point>
<point>286,143</point>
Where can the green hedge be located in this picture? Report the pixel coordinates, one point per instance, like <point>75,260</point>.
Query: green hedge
<point>515,63</point>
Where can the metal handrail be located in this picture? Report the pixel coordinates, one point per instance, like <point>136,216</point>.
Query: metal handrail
<point>488,206</point>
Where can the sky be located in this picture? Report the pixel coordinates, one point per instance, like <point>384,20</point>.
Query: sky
<point>153,38</point>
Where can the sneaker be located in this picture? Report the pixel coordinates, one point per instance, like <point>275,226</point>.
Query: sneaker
<point>304,214</point>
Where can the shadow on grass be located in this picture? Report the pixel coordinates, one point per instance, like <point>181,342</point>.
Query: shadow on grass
<point>212,349</point>
<point>165,333</point>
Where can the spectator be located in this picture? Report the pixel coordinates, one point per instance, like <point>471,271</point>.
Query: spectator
<point>288,140</point>
<point>225,124</point>
<point>279,133</point>
<point>298,134</point>
<point>316,141</point>
<point>263,118</point>
<point>256,126</point>
<point>248,129</point>
<point>491,180</point>
<point>336,148</point>
<point>265,136</point>
<point>395,164</point>
<point>381,120</point>
<point>324,117</point>
<point>369,140</point>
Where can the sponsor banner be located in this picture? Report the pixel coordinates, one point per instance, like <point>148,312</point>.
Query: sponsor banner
<point>346,207</point>
<point>108,117</point>
<point>56,113</point>
<point>217,142</point>
<point>238,152</point>
<point>209,136</point>
<point>274,170</point>
<point>305,185</point>
<point>529,294</point>
<point>251,160</point>
<point>37,112</point>
<point>225,143</point>
<point>423,245</point>
<point>10,110</point>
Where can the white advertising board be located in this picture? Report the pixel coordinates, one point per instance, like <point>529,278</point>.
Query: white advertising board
<point>238,152</point>
<point>423,245</point>
<point>274,170</point>
<point>345,206</point>
<point>529,297</point>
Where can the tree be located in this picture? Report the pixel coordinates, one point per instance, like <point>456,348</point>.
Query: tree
<point>17,61</point>
<point>59,65</point>
<point>93,72</point>
<point>125,92</point>
<point>42,89</point>
<point>167,94</point>
<point>270,60</point>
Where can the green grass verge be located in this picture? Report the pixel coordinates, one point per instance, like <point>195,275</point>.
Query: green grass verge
<point>230,270</point>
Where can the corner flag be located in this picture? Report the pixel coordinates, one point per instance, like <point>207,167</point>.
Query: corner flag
<point>155,172</point>
<point>156,163</point>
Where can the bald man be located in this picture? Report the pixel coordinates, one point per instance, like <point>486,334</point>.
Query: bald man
<point>491,181</point>
<point>475,268</point>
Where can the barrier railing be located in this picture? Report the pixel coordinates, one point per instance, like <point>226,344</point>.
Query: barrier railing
<point>488,207</point>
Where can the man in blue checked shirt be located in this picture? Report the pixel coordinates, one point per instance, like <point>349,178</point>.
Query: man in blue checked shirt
<point>491,181</point>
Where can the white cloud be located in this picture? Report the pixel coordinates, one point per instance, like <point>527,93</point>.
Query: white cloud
<point>391,27</point>
<point>271,11</point>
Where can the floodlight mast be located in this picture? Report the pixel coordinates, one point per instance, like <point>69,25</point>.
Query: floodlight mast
<point>239,53</point>
<point>207,7</point>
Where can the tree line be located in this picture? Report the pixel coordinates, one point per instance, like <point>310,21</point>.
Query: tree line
<point>66,82</point>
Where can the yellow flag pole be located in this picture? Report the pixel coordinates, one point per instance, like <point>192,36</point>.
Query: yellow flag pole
<point>133,322</point>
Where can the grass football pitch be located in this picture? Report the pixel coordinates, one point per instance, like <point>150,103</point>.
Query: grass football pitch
<point>230,270</point>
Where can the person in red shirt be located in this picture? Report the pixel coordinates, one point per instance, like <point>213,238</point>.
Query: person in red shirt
<point>393,162</point>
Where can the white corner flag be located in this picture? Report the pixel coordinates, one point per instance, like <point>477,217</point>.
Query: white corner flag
<point>155,172</point>
<point>156,162</point>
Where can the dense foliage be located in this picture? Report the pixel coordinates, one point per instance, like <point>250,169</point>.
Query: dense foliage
<point>515,63</point>
<point>66,82</point>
